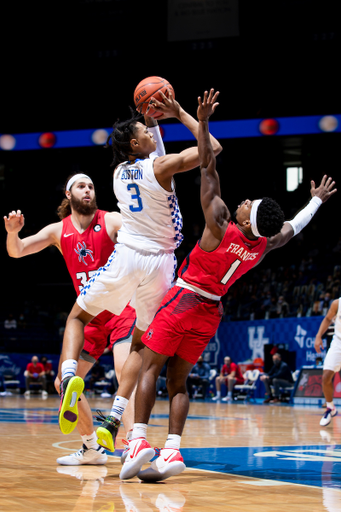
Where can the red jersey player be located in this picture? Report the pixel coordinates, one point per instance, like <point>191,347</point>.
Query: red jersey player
<point>86,238</point>
<point>191,311</point>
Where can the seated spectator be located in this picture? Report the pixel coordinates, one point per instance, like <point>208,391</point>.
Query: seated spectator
<point>199,376</point>
<point>10,322</point>
<point>97,374</point>
<point>35,373</point>
<point>230,375</point>
<point>49,373</point>
<point>279,376</point>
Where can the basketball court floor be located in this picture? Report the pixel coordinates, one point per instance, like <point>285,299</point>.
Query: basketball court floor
<point>239,457</point>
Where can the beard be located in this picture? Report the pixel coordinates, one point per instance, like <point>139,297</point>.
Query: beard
<point>83,208</point>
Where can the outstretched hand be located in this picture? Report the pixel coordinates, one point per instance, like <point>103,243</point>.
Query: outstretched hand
<point>325,190</point>
<point>208,105</point>
<point>14,222</point>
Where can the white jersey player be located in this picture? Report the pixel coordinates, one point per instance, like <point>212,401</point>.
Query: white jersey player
<point>141,268</point>
<point>332,362</point>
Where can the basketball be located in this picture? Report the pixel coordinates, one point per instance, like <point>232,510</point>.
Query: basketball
<point>148,88</point>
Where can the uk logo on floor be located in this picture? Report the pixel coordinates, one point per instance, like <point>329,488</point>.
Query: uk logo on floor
<point>314,465</point>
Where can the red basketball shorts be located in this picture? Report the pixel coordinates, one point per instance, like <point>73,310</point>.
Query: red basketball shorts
<point>106,329</point>
<point>183,325</point>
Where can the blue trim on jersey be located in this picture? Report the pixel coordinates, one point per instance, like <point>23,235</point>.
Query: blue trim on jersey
<point>129,333</point>
<point>186,266</point>
<point>176,218</point>
<point>170,301</point>
<point>100,270</point>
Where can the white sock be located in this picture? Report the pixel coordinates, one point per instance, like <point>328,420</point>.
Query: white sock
<point>330,405</point>
<point>69,368</point>
<point>118,407</point>
<point>173,441</point>
<point>219,394</point>
<point>139,430</point>
<point>90,441</point>
<point>229,394</point>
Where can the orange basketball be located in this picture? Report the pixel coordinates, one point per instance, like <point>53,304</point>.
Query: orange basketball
<point>148,88</point>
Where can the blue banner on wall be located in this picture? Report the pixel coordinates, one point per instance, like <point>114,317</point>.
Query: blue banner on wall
<point>244,341</point>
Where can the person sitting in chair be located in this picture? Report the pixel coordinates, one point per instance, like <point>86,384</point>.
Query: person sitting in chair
<point>230,375</point>
<point>279,376</point>
<point>35,374</point>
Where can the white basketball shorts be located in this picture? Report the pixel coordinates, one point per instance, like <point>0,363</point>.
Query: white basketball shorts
<point>130,275</point>
<point>333,358</point>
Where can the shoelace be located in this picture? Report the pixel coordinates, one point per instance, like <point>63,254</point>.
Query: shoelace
<point>157,451</point>
<point>101,418</point>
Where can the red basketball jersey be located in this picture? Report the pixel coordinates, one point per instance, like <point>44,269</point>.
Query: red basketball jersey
<point>214,272</point>
<point>85,253</point>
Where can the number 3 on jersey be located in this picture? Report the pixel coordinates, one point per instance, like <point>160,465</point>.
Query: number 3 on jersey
<point>135,197</point>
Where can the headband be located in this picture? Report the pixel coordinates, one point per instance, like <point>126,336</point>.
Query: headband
<point>253,216</point>
<point>75,178</point>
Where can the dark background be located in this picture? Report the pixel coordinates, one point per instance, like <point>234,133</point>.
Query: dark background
<point>76,66</point>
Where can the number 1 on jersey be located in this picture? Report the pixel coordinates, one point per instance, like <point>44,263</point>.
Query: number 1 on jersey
<point>230,271</point>
<point>136,197</point>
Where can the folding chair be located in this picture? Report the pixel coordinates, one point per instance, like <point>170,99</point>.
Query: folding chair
<point>246,391</point>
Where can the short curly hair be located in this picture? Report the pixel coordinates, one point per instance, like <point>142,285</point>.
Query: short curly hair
<point>270,217</point>
<point>119,139</point>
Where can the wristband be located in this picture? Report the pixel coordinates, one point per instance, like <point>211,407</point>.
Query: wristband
<point>305,215</point>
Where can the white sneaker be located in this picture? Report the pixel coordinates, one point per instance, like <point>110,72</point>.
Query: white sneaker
<point>44,394</point>
<point>169,463</point>
<point>27,393</point>
<point>139,453</point>
<point>84,456</point>
<point>226,399</point>
<point>327,417</point>
<point>125,451</point>
<point>214,398</point>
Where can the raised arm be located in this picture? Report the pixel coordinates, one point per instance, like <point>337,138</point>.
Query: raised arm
<point>17,248</point>
<point>215,211</point>
<point>294,226</point>
<point>165,167</point>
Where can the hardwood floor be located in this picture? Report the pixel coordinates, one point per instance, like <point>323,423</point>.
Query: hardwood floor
<point>239,457</point>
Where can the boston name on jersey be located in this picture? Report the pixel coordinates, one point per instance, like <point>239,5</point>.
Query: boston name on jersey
<point>151,218</point>
<point>132,174</point>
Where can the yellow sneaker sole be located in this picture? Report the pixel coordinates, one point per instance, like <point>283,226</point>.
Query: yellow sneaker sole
<point>105,439</point>
<point>68,414</point>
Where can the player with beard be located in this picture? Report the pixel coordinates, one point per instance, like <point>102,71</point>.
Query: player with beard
<point>86,237</point>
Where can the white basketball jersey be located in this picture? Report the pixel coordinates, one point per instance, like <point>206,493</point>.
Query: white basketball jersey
<point>338,321</point>
<point>151,218</point>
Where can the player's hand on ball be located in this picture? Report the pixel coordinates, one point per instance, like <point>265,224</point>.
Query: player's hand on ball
<point>207,105</point>
<point>14,222</point>
<point>168,107</point>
